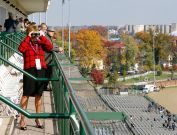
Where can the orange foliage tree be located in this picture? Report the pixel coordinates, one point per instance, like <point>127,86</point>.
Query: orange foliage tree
<point>88,47</point>
<point>144,36</point>
<point>103,31</point>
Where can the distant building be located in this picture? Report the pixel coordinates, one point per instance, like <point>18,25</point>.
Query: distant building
<point>158,28</point>
<point>167,29</point>
<point>127,28</point>
<point>138,28</point>
<point>146,28</point>
<point>118,45</point>
<point>161,28</point>
<point>170,28</point>
<point>173,27</point>
<point>112,31</point>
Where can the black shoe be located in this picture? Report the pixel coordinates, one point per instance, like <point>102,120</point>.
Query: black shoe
<point>47,89</point>
<point>23,128</point>
<point>38,124</point>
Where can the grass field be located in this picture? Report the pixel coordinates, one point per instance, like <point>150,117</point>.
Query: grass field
<point>167,98</point>
<point>149,77</point>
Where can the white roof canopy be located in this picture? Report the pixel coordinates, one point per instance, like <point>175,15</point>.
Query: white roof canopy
<point>31,6</point>
<point>27,7</point>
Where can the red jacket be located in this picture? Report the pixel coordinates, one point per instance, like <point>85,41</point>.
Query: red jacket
<point>30,53</point>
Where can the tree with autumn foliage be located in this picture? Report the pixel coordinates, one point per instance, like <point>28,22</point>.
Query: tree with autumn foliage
<point>130,53</point>
<point>89,47</point>
<point>145,48</point>
<point>163,47</point>
<point>103,31</point>
<point>98,76</point>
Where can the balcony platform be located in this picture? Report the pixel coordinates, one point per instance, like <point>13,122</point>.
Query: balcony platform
<point>50,127</point>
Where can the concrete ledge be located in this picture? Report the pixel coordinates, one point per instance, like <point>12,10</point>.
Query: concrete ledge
<point>6,125</point>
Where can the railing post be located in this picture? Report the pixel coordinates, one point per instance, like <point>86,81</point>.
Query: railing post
<point>82,132</point>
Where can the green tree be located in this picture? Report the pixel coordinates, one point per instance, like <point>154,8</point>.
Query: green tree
<point>148,56</point>
<point>84,71</point>
<point>162,47</point>
<point>130,53</point>
<point>113,78</point>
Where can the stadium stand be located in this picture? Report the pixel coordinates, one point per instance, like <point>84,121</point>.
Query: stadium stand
<point>144,122</point>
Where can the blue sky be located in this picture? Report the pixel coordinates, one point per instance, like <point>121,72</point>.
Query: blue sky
<point>112,12</point>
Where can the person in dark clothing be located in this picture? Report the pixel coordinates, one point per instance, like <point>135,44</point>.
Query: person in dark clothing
<point>162,116</point>
<point>174,118</point>
<point>165,124</point>
<point>173,126</point>
<point>169,118</point>
<point>0,28</point>
<point>149,107</point>
<point>26,23</point>
<point>10,24</point>
<point>132,125</point>
<point>49,35</point>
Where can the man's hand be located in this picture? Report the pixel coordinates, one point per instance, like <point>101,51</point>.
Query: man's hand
<point>41,33</point>
<point>61,50</point>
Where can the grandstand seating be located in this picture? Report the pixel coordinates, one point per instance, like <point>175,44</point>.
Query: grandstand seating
<point>110,127</point>
<point>17,60</point>
<point>10,85</point>
<point>143,121</point>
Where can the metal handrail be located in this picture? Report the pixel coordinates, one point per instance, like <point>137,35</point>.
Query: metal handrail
<point>11,39</point>
<point>33,115</point>
<point>11,48</point>
<point>84,120</point>
<point>26,73</point>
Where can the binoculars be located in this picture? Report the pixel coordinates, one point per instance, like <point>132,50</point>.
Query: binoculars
<point>35,34</point>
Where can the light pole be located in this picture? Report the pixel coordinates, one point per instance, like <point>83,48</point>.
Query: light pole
<point>62,24</point>
<point>108,33</point>
<point>69,25</point>
<point>33,17</point>
<point>39,18</point>
<point>153,36</point>
<point>46,17</point>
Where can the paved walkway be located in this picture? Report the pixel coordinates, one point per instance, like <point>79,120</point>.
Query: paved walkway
<point>49,124</point>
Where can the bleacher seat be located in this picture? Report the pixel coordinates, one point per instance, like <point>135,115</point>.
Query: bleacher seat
<point>9,88</point>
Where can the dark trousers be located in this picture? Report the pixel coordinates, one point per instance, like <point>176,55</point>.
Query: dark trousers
<point>48,74</point>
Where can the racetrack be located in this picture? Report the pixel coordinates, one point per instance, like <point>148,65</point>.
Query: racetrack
<point>167,98</point>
